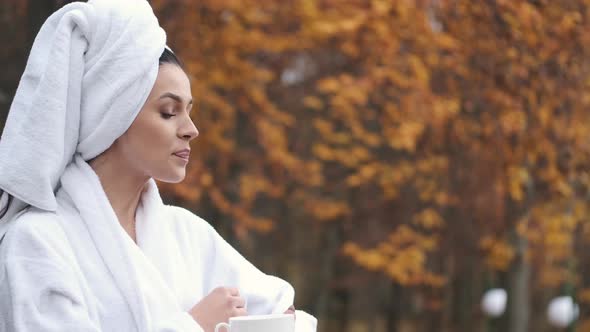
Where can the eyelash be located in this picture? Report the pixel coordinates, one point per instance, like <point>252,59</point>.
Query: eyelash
<point>167,116</point>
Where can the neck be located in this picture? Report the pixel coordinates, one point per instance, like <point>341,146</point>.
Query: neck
<point>123,187</point>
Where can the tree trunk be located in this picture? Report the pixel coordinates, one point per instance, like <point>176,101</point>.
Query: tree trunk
<point>327,262</point>
<point>394,307</point>
<point>519,305</point>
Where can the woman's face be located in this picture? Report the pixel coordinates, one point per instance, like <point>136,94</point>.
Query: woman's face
<point>162,129</point>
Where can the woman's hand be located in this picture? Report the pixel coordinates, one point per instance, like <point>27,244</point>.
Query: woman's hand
<point>219,306</point>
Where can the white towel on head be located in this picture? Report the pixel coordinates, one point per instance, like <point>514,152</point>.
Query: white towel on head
<point>89,72</point>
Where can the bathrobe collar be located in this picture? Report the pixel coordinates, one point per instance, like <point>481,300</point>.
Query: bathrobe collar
<point>120,254</point>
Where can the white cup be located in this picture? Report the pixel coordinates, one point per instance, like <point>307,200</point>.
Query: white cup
<point>259,323</point>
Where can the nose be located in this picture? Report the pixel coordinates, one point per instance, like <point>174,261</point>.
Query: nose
<point>188,131</point>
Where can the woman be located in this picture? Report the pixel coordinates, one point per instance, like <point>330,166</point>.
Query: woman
<point>103,110</point>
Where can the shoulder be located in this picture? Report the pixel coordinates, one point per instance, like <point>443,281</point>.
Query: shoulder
<point>34,234</point>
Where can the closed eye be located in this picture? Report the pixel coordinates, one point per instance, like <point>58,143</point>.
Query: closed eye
<point>166,115</point>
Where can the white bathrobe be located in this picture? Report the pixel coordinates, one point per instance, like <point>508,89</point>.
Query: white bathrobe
<point>76,269</point>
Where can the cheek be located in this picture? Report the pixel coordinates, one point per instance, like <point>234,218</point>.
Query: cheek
<point>150,138</point>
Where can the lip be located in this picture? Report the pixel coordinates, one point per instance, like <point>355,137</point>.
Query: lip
<point>184,154</point>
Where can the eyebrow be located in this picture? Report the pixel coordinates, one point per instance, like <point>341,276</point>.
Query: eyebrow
<point>175,97</point>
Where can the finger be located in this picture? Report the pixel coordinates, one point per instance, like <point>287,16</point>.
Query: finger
<point>233,291</point>
<point>239,302</point>
<point>236,312</point>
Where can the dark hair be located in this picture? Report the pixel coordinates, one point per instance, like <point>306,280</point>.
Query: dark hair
<point>169,57</point>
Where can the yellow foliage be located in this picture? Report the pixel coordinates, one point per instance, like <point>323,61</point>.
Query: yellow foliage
<point>406,136</point>
<point>403,257</point>
<point>429,219</point>
<point>326,129</point>
<point>251,185</point>
<point>563,188</point>
<point>517,178</point>
<point>371,259</point>
<point>420,70</point>
<point>513,122</point>
<point>329,85</point>
<point>323,152</point>
<point>326,210</point>
<point>313,102</point>
<point>447,42</point>
<point>381,7</point>
<point>499,254</point>
<point>351,24</point>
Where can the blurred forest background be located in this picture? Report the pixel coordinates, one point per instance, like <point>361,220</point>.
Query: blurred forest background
<point>392,159</point>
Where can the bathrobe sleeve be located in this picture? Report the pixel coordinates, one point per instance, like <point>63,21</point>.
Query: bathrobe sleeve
<point>224,266</point>
<point>264,294</point>
<point>38,289</point>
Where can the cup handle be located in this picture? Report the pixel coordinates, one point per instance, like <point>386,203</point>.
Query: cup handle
<point>220,325</point>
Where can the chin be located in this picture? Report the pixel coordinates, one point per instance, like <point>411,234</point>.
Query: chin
<point>174,177</point>
<point>178,180</point>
